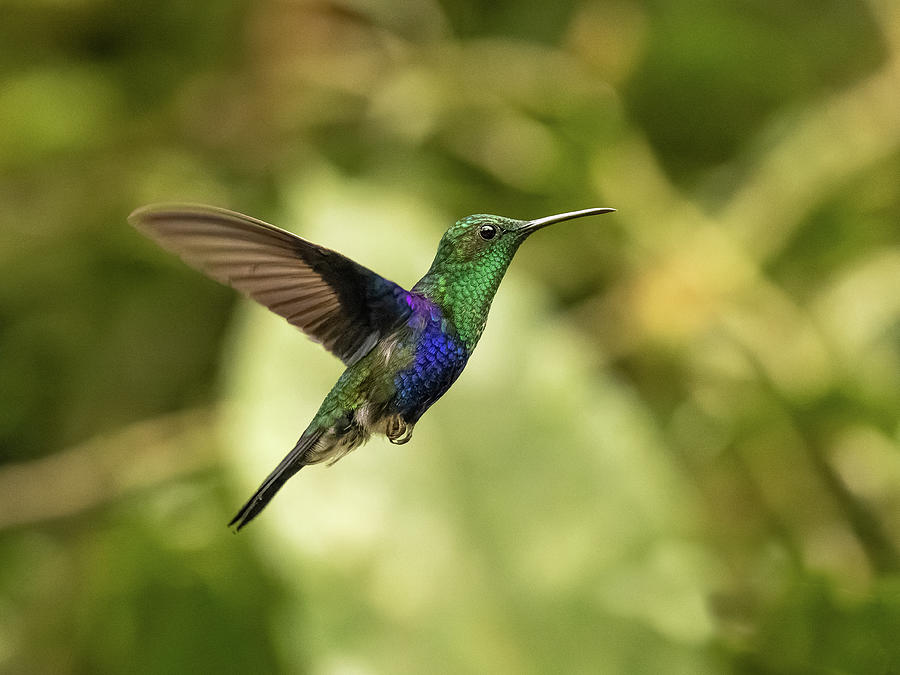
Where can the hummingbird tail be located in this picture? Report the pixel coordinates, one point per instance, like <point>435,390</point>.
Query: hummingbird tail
<point>295,460</point>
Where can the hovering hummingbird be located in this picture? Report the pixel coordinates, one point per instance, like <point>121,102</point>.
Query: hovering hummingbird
<point>403,349</point>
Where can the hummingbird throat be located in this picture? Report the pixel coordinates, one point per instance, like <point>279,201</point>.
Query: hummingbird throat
<point>464,290</point>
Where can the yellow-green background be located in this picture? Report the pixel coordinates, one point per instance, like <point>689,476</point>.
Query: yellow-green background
<point>677,448</point>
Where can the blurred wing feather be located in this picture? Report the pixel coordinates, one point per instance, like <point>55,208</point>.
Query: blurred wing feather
<point>332,299</point>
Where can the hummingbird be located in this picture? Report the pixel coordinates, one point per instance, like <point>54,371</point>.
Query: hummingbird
<point>402,348</point>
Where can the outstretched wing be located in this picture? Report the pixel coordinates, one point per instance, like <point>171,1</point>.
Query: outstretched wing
<point>332,299</point>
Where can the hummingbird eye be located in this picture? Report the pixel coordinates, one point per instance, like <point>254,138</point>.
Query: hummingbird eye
<point>487,231</point>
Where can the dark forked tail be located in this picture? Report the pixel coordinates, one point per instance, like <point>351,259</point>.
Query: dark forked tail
<point>295,460</point>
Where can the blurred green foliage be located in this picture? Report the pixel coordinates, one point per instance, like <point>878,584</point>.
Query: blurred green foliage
<point>677,449</point>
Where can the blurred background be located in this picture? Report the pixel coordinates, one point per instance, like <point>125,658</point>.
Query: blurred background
<point>677,448</point>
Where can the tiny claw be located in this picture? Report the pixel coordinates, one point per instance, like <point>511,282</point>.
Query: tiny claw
<point>398,430</point>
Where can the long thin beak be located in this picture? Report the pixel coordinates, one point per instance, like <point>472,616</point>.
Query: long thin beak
<point>531,225</point>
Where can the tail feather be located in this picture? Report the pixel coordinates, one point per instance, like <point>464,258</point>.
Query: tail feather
<point>295,460</point>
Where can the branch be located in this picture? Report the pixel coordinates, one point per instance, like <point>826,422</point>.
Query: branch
<point>103,469</point>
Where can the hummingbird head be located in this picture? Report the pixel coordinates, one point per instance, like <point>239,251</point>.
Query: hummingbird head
<point>476,238</point>
<point>471,260</point>
<point>487,237</point>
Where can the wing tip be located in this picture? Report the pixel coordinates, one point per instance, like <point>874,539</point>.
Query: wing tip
<point>165,210</point>
<point>144,217</point>
<point>137,217</point>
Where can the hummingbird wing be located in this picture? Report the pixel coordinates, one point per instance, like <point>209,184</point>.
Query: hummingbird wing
<point>332,299</point>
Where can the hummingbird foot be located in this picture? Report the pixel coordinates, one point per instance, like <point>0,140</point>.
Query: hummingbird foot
<point>398,430</point>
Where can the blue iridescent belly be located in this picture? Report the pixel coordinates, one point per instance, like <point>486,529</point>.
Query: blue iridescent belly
<point>439,359</point>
